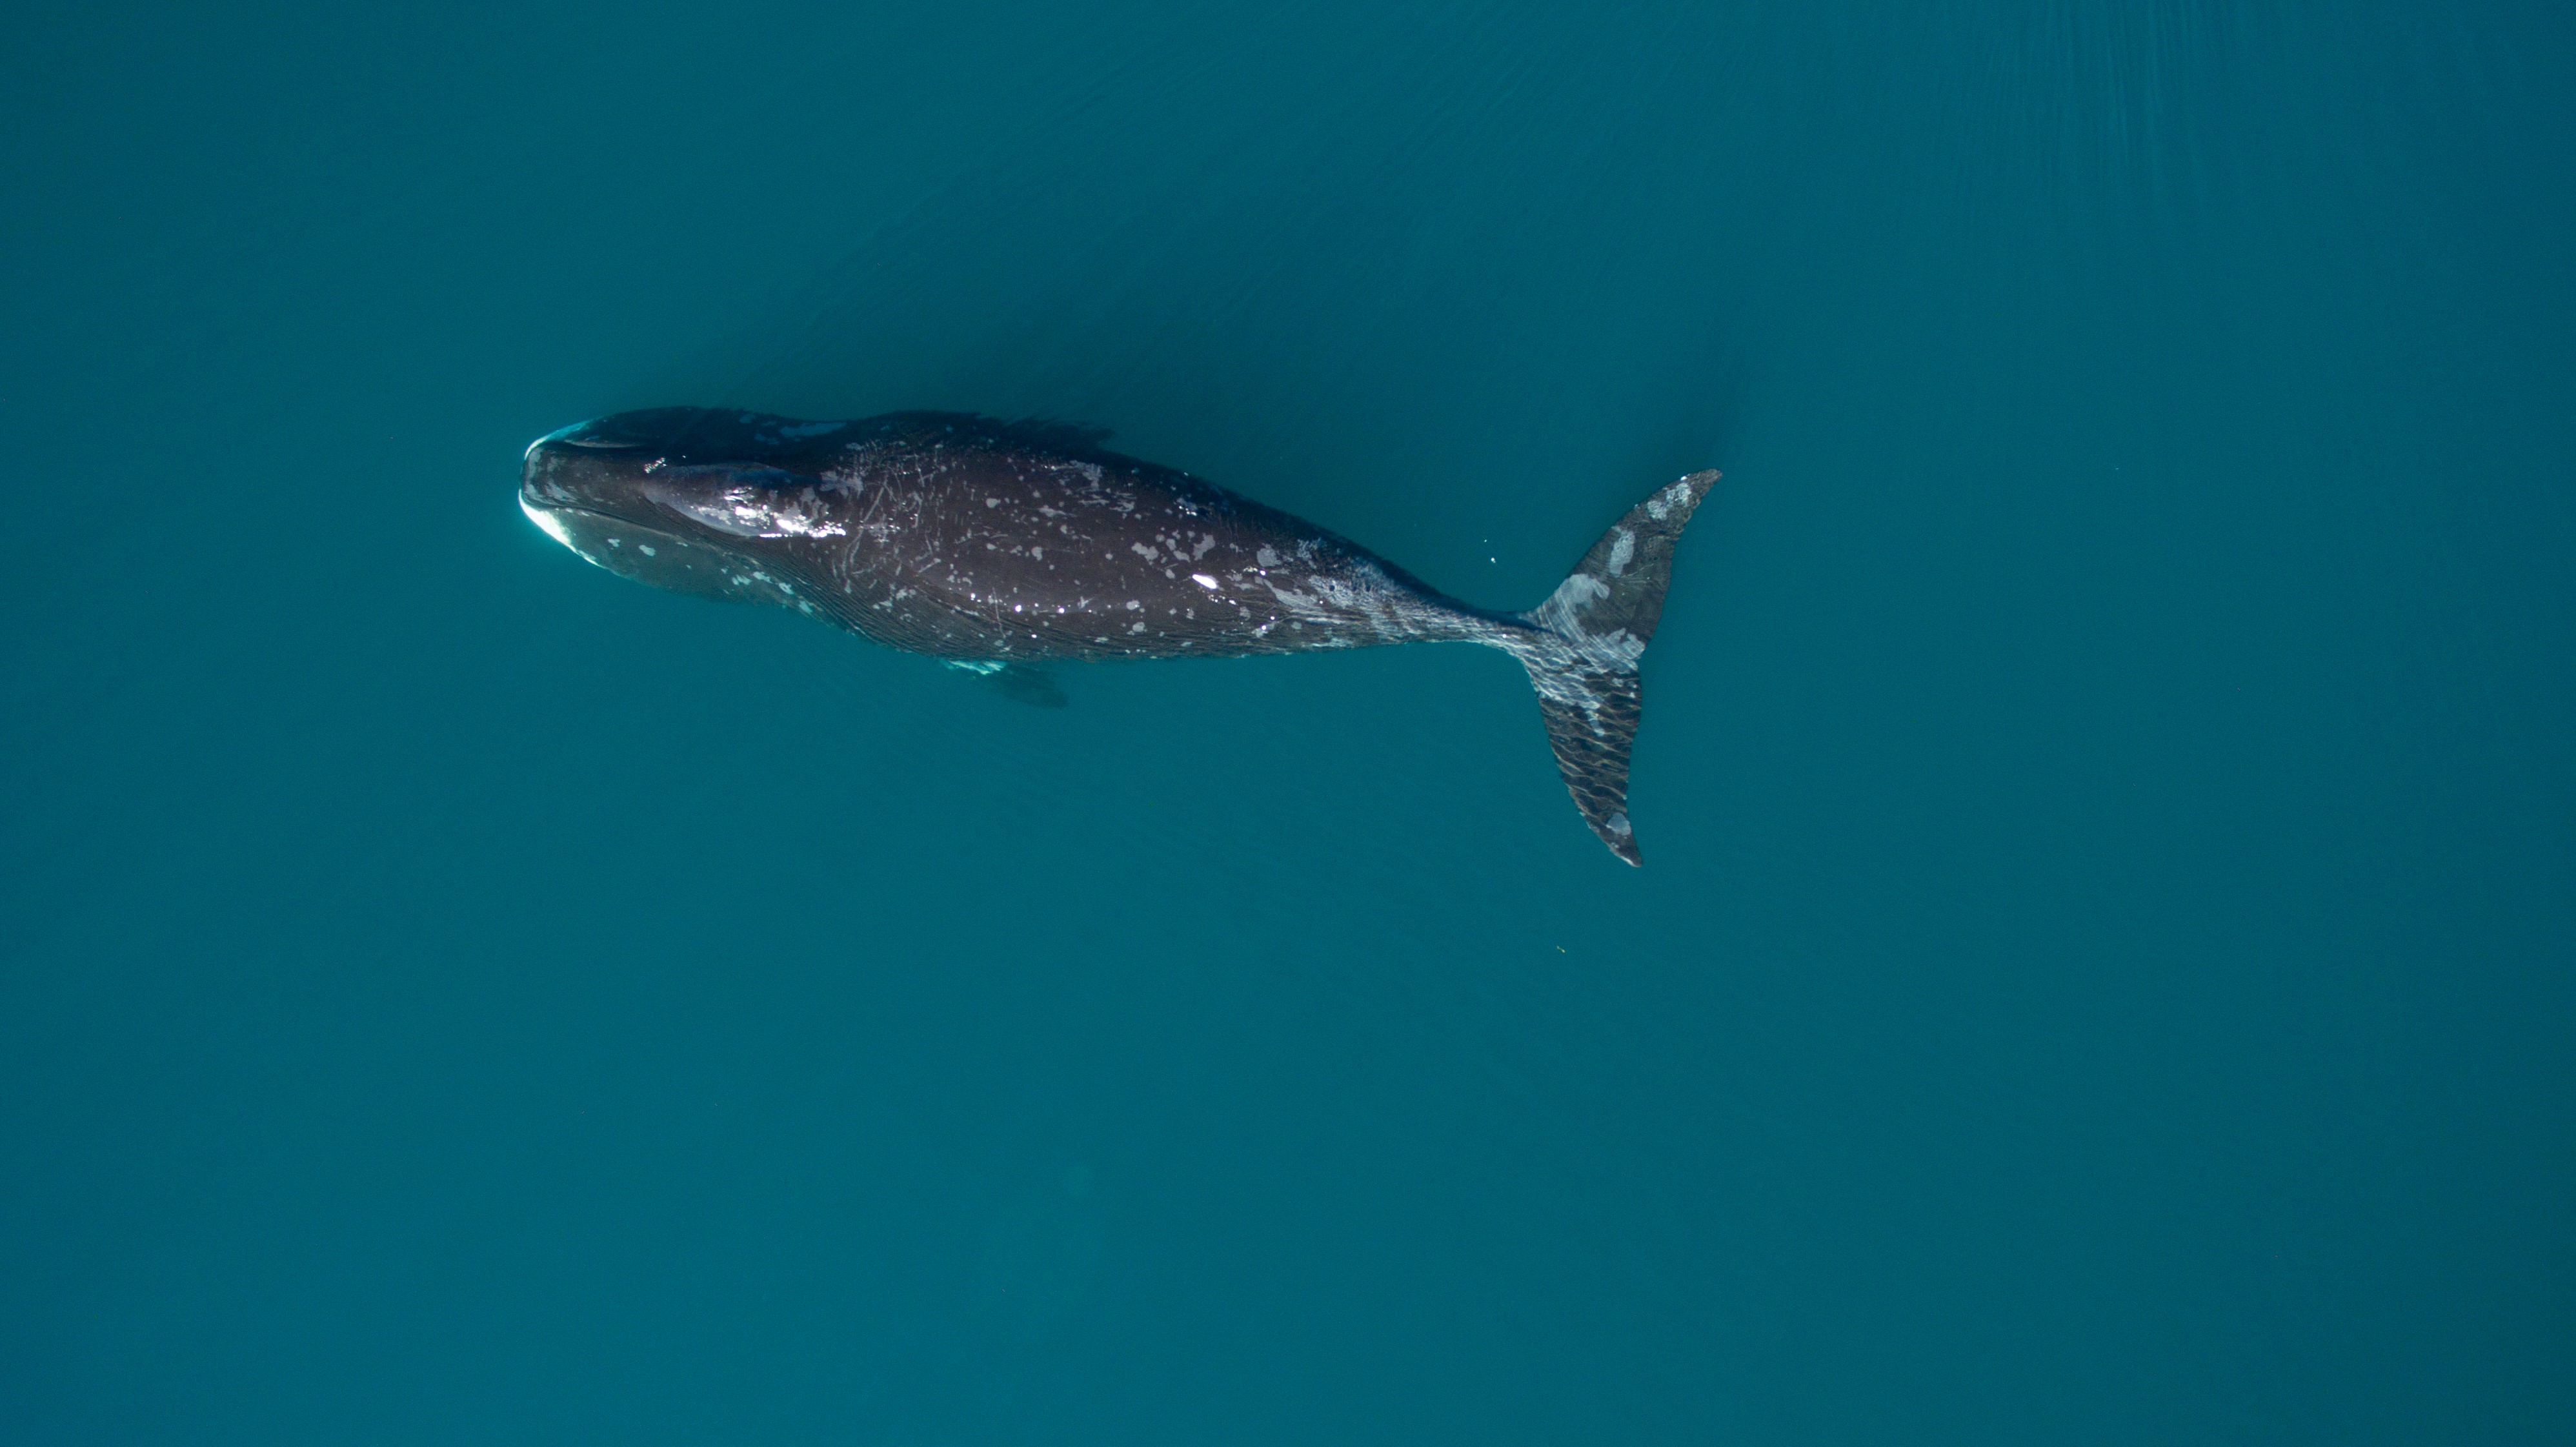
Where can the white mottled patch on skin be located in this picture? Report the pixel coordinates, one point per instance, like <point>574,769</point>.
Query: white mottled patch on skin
<point>1204,581</point>
<point>1266,558</point>
<point>1622,551</point>
<point>755,512</point>
<point>646,549</point>
<point>1581,588</point>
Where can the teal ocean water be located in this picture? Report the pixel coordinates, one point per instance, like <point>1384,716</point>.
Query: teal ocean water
<point>2101,970</point>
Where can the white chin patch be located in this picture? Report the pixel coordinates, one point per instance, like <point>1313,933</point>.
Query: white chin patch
<point>545,518</point>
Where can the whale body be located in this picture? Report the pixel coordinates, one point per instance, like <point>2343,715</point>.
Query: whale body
<point>991,544</point>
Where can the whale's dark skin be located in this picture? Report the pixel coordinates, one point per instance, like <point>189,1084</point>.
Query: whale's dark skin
<point>993,543</point>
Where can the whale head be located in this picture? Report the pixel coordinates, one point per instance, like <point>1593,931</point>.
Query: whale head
<point>695,500</point>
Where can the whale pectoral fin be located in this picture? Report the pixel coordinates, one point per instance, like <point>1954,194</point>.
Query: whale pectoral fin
<point>1021,683</point>
<point>1018,682</point>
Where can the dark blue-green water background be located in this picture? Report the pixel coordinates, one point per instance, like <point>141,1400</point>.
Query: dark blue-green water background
<point>2102,970</point>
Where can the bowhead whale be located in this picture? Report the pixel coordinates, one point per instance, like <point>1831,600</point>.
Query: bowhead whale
<point>993,543</point>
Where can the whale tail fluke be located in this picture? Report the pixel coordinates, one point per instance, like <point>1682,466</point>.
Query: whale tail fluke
<point>1583,662</point>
